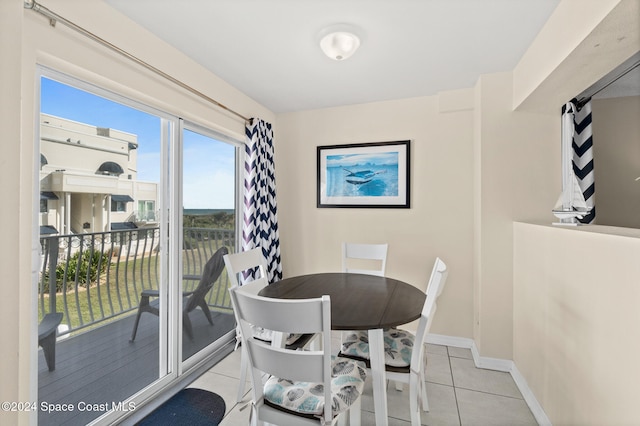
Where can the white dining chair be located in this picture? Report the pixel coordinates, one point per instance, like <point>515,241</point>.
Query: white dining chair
<point>405,351</point>
<point>303,387</point>
<point>238,263</point>
<point>360,258</point>
<point>253,262</point>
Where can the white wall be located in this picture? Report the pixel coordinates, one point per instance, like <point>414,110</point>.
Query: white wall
<point>582,41</point>
<point>576,322</point>
<point>516,178</point>
<point>439,222</point>
<point>616,152</point>
<point>15,256</point>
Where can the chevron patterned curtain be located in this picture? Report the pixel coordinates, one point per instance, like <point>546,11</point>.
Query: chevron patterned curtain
<point>260,221</point>
<point>583,156</point>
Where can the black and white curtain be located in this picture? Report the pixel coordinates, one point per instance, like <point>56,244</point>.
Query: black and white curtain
<point>582,160</point>
<point>260,221</point>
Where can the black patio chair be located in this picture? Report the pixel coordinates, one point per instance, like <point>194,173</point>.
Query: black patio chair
<point>191,299</point>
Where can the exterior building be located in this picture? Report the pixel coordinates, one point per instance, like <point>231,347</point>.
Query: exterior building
<point>88,179</point>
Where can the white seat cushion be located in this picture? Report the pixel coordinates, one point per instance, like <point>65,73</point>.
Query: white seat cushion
<point>308,398</point>
<point>398,346</point>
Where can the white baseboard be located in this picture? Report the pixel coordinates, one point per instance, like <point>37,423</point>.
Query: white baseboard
<point>530,398</point>
<point>496,364</point>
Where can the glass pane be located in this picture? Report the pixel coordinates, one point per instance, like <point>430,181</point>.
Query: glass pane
<point>99,162</point>
<point>209,178</point>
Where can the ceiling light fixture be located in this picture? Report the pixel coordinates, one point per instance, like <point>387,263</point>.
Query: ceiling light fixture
<point>339,42</point>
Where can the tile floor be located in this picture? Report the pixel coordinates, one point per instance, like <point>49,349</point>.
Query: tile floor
<point>459,393</point>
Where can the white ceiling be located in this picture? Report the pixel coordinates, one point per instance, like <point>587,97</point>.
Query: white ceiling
<point>269,49</point>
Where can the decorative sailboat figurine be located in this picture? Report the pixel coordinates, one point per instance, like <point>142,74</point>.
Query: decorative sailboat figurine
<point>571,204</point>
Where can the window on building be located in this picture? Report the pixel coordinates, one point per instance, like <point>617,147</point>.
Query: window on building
<point>119,203</point>
<point>146,210</point>
<point>118,206</point>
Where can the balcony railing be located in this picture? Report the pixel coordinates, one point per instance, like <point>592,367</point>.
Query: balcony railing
<point>96,277</point>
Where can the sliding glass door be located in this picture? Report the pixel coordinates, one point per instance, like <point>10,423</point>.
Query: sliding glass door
<point>119,254</point>
<point>208,224</point>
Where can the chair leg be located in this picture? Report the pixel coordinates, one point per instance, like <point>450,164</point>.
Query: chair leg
<point>205,308</point>
<point>414,407</point>
<point>355,413</point>
<point>243,373</point>
<point>186,325</point>
<point>423,394</point>
<point>49,349</point>
<point>423,387</point>
<point>143,307</point>
<point>253,419</point>
<point>135,326</point>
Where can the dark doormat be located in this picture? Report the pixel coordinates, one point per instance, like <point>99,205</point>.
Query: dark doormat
<point>188,407</point>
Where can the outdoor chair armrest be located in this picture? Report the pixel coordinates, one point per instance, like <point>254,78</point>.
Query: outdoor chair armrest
<point>150,293</point>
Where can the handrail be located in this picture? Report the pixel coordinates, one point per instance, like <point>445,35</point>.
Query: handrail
<point>96,277</point>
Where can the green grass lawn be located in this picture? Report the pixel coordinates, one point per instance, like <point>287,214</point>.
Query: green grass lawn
<point>117,293</point>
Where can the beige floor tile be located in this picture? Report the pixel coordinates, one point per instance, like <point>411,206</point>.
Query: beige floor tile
<point>369,418</point>
<point>467,376</point>
<point>442,404</point>
<point>438,369</point>
<point>229,366</point>
<point>460,352</point>
<point>481,397</point>
<point>436,349</point>
<point>237,417</point>
<point>482,409</point>
<point>443,408</point>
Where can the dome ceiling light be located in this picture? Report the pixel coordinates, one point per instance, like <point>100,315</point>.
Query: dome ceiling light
<point>339,42</point>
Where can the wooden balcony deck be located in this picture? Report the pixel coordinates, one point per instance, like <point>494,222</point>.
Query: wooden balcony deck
<point>101,365</point>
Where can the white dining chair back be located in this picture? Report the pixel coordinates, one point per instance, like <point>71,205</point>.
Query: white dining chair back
<point>241,262</point>
<point>310,368</point>
<point>415,376</point>
<point>359,258</point>
<point>364,258</point>
<point>434,290</point>
<point>236,264</point>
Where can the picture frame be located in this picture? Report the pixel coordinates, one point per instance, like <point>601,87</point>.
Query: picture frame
<point>364,175</point>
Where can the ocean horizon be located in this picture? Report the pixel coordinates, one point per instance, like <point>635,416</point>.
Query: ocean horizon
<point>200,212</point>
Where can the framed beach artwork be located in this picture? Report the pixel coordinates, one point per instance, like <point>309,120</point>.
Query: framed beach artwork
<point>368,175</point>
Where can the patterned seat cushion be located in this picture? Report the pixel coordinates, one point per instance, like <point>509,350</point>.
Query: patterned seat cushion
<point>347,383</point>
<point>398,346</point>
<point>355,343</point>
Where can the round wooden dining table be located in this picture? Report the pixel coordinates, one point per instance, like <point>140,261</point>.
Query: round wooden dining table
<point>359,302</point>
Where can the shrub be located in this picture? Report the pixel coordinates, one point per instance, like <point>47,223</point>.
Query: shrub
<point>86,270</point>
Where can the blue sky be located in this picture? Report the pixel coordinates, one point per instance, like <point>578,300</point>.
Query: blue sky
<point>208,164</point>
